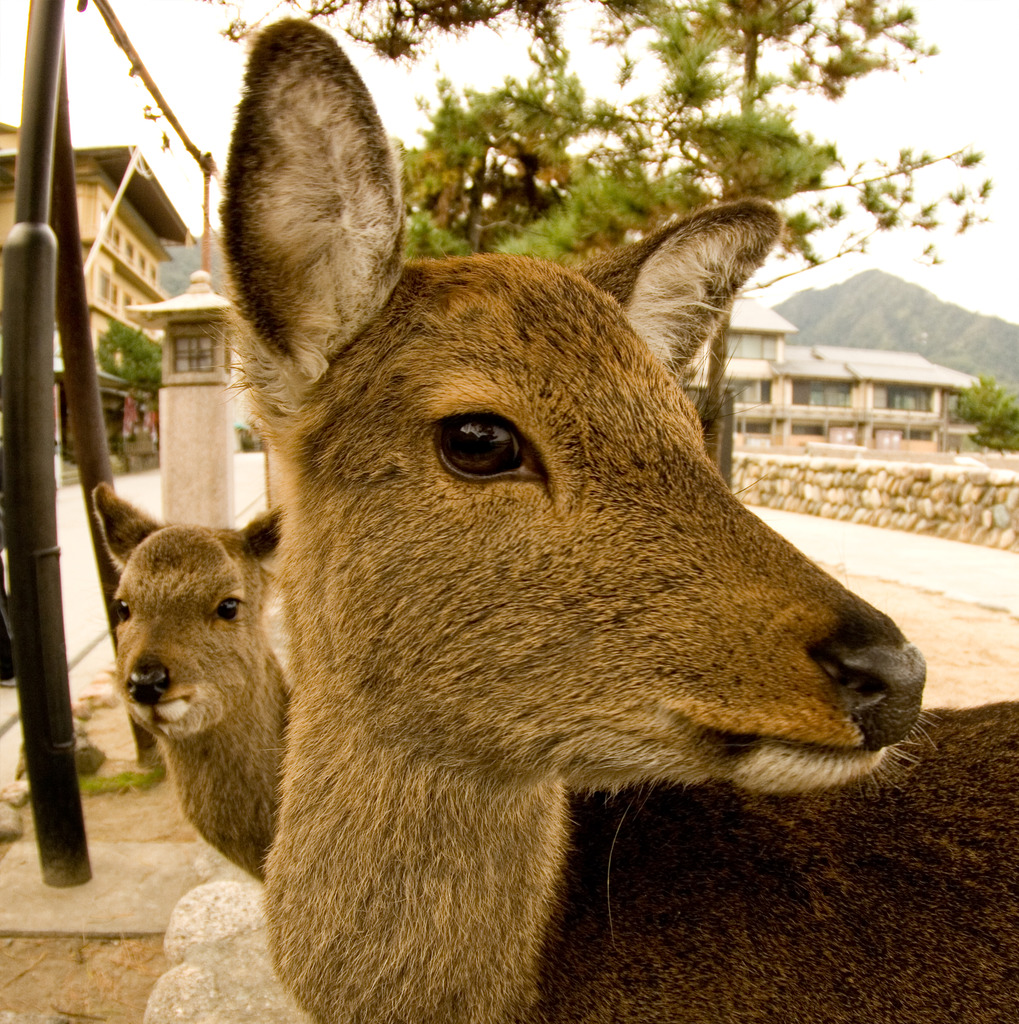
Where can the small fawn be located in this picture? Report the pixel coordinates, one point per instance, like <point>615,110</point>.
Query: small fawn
<point>514,585</point>
<point>196,668</point>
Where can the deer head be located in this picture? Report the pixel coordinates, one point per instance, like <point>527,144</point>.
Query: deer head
<point>191,603</point>
<point>508,566</point>
<point>507,536</point>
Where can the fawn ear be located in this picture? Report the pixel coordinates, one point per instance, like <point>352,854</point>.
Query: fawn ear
<point>124,526</point>
<point>677,285</point>
<point>312,213</point>
<point>262,534</point>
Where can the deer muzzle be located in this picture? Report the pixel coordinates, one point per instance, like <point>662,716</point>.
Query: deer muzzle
<point>148,682</point>
<point>880,687</point>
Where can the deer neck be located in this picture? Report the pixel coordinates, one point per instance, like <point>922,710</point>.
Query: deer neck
<point>434,891</point>
<point>242,750</point>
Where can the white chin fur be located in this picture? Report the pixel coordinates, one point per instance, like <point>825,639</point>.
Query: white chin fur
<point>171,711</point>
<point>776,767</point>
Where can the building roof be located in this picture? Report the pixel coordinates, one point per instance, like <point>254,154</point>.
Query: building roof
<point>832,362</point>
<point>143,192</point>
<point>198,301</point>
<point>815,369</point>
<point>870,356</point>
<point>749,316</point>
<point>931,374</point>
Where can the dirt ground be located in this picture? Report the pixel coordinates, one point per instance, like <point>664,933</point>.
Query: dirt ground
<point>972,657</point>
<point>98,980</point>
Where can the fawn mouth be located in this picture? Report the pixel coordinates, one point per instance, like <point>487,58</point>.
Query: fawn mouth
<point>171,711</point>
<point>767,765</point>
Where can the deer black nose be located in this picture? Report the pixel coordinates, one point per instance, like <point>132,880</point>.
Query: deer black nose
<point>880,686</point>
<point>148,682</point>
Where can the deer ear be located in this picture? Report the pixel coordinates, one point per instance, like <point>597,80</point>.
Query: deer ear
<point>262,535</point>
<point>124,526</point>
<point>678,284</point>
<point>312,213</point>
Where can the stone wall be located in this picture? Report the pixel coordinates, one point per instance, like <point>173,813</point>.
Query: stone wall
<point>966,503</point>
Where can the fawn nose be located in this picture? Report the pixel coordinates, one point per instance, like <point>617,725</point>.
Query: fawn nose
<point>879,685</point>
<point>148,682</point>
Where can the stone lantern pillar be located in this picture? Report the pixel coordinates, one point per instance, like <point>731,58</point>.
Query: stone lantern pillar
<point>196,417</point>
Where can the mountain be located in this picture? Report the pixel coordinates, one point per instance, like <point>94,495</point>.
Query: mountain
<point>877,310</point>
<point>175,276</point>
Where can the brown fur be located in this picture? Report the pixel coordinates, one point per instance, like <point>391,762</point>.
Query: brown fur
<point>220,724</point>
<point>887,903</point>
<point>601,615</point>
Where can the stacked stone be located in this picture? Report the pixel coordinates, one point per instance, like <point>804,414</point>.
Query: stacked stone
<point>965,503</point>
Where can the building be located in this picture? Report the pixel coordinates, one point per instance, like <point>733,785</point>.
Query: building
<point>124,269</point>
<point>791,395</point>
<point>134,221</point>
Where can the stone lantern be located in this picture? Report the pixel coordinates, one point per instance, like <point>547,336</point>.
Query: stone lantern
<point>196,421</point>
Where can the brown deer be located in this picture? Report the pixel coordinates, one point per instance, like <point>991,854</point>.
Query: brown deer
<point>514,584</point>
<point>195,667</point>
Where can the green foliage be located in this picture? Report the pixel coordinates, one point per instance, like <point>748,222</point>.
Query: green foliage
<point>995,411</point>
<point>493,162</point>
<point>96,785</point>
<point>128,353</point>
<point>538,166</point>
<point>400,28</point>
<point>518,168</point>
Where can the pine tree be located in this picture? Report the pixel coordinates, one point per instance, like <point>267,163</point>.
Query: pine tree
<point>539,167</point>
<point>401,28</point>
<point>995,411</point>
<point>494,163</point>
<point>128,353</point>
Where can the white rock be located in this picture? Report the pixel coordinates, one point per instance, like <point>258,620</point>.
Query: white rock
<point>214,911</point>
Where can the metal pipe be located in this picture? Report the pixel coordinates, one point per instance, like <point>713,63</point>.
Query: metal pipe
<point>111,213</point>
<point>30,517</point>
<point>204,160</point>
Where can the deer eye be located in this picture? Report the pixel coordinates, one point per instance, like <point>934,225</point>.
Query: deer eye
<point>228,609</point>
<point>121,610</point>
<point>479,445</point>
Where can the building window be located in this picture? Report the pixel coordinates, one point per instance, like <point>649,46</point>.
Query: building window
<point>115,238</point>
<point>902,396</point>
<point>129,251</point>
<point>757,427</point>
<point>842,435</point>
<point>821,392</point>
<point>755,391</point>
<point>128,299</point>
<point>141,262</point>
<point>921,435</point>
<point>114,295</point>
<point>192,352</point>
<point>152,272</point>
<point>753,346</point>
<point>104,286</point>
<point>808,429</point>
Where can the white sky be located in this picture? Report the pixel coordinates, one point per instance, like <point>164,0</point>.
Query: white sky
<point>964,96</point>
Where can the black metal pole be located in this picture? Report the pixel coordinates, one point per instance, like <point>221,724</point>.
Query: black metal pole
<point>36,614</point>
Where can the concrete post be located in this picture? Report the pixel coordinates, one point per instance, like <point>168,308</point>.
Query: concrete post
<point>196,415</point>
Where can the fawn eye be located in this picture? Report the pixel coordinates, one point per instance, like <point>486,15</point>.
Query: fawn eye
<point>479,445</point>
<point>121,610</point>
<point>228,609</point>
